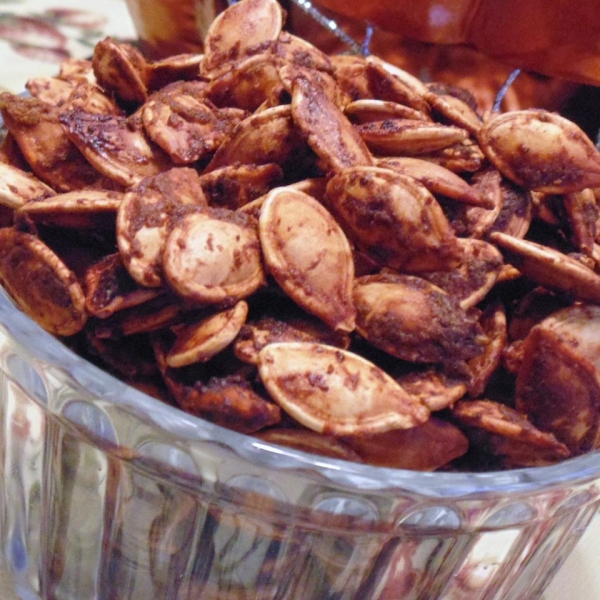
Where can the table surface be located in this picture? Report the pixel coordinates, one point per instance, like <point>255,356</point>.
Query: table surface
<point>35,36</point>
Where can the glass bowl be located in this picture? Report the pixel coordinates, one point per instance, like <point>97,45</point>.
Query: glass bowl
<point>109,493</point>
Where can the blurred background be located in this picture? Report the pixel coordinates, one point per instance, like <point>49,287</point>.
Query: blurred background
<point>556,43</point>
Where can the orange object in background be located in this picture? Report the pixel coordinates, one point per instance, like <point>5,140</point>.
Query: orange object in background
<point>559,38</point>
<point>470,43</point>
<point>412,41</point>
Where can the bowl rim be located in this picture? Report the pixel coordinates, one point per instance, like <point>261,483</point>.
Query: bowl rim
<point>34,342</point>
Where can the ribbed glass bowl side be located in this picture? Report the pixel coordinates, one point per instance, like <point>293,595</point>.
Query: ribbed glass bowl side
<point>108,493</point>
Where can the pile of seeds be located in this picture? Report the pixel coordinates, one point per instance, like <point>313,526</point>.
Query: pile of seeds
<point>321,251</point>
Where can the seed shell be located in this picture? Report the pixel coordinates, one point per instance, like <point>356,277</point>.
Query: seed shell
<point>212,260</point>
<point>40,283</point>
<point>307,253</point>
<point>146,216</point>
<point>241,30</point>
<point>393,218</point>
<point>541,151</point>
<point>335,391</point>
<point>199,342</point>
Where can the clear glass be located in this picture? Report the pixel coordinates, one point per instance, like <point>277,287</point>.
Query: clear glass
<point>110,494</point>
